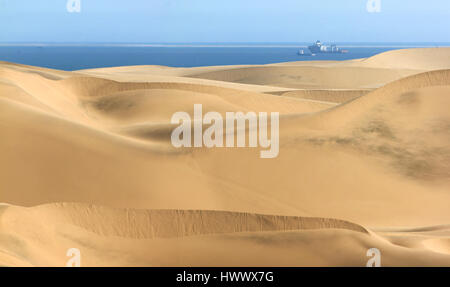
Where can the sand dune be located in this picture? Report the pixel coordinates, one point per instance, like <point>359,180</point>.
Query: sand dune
<point>420,59</point>
<point>309,77</point>
<point>172,75</point>
<point>149,238</point>
<point>364,162</point>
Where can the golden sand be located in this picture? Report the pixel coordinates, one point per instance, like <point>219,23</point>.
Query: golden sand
<point>364,162</point>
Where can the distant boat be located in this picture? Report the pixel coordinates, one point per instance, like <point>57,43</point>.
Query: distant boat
<point>319,48</point>
<point>301,53</point>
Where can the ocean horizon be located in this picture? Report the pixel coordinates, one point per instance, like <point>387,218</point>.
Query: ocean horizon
<point>77,56</point>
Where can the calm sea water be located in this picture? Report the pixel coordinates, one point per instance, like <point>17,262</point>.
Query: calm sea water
<point>83,57</point>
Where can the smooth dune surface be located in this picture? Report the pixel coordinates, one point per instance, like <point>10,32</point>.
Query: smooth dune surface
<point>364,162</point>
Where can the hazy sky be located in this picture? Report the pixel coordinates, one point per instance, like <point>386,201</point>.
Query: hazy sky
<point>150,21</point>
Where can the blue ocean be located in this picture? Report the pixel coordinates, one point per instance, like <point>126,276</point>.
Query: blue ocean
<point>76,57</point>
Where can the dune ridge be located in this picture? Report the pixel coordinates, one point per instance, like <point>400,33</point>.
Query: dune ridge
<point>145,238</point>
<point>134,223</point>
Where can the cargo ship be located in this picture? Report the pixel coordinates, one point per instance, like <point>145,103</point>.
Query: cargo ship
<point>319,48</point>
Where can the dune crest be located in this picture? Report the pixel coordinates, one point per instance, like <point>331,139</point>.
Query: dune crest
<point>141,224</point>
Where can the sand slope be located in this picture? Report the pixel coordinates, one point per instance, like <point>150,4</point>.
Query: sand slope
<point>364,162</point>
<point>422,59</point>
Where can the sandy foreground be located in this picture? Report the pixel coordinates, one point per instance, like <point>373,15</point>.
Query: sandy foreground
<point>86,162</point>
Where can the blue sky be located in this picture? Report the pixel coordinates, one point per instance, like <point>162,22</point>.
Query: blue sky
<point>156,21</point>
